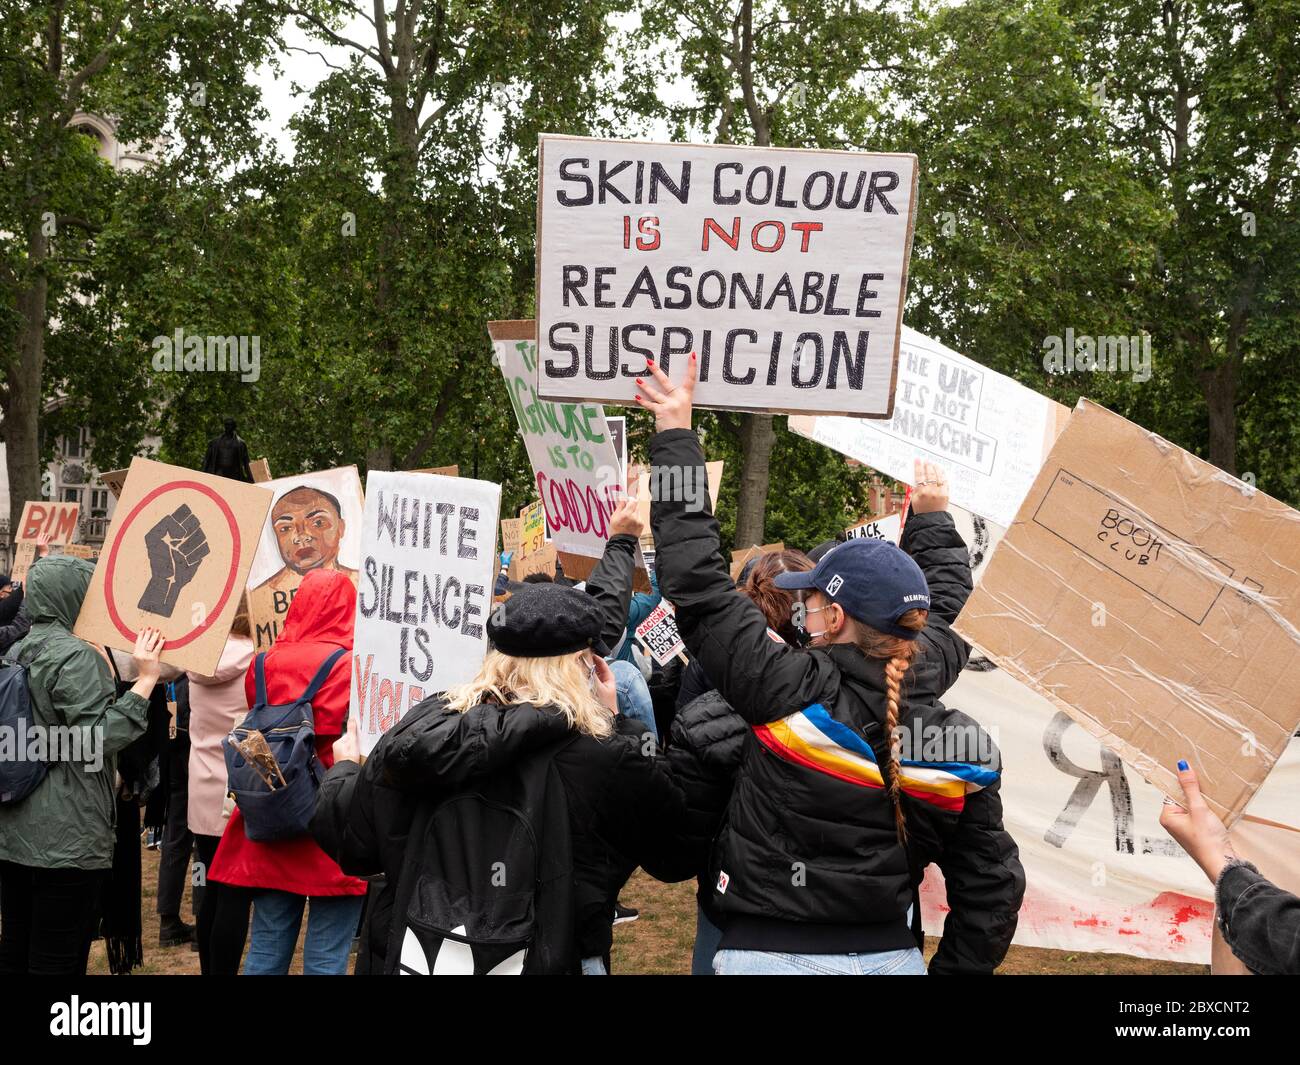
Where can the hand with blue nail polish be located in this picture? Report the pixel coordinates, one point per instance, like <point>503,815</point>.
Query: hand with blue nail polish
<point>1196,827</point>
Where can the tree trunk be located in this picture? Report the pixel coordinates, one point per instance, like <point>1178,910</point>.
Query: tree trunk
<point>379,457</point>
<point>757,435</point>
<point>23,411</point>
<point>1219,386</point>
<point>757,432</point>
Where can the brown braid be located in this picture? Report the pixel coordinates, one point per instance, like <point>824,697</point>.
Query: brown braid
<point>899,654</point>
<point>895,668</point>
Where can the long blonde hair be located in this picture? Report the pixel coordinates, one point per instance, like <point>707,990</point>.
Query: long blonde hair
<point>560,681</point>
<point>898,655</point>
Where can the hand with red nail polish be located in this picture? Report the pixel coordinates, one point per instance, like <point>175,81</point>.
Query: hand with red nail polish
<point>672,404</point>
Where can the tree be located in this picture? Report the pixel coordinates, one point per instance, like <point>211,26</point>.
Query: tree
<point>1205,99</point>
<point>57,59</point>
<point>780,73</point>
<point>410,213</point>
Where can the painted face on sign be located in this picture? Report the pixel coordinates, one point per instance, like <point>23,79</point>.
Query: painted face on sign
<point>308,527</point>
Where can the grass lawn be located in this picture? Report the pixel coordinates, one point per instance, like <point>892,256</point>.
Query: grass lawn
<point>659,943</point>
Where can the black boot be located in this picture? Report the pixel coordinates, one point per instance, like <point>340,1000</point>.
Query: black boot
<point>173,932</point>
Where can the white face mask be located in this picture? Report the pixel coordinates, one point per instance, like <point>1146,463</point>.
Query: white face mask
<point>815,636</point>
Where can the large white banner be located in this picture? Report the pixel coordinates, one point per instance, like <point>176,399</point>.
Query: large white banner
<point>990,433</point>
<point>1102,875</point>
<point>579,476</point>
<point>784,269</point>
<point>424,592</point>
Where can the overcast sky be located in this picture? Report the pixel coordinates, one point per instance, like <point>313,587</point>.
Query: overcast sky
<point>308,70</point>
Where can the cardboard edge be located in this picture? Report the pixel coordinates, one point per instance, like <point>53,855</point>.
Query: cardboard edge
<point>513,329</point>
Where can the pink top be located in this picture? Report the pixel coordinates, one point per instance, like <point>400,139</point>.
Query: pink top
<point>217,704</point>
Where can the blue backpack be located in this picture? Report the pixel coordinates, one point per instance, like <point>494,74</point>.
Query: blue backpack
<point>19,776</point>
<point>285,809</point>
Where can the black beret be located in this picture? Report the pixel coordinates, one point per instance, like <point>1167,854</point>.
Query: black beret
<point>546,620</point>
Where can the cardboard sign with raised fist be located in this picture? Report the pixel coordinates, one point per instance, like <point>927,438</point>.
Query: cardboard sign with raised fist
<point>176,557</point>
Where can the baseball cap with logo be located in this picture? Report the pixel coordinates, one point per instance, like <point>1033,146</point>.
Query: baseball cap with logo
<point>874,581</point>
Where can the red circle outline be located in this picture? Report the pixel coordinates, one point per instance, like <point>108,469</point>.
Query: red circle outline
<point>110,566</point>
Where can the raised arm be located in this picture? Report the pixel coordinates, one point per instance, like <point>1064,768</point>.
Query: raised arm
<point>610,582</point>
<point>764,679</point>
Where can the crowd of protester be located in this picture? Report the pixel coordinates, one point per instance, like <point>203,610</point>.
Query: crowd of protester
<point>493,828</point>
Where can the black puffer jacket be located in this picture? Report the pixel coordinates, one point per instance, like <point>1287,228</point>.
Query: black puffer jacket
<point>706,745</point>
<point>705,749</point>
<point>808,859</point>
<point>620,795</point>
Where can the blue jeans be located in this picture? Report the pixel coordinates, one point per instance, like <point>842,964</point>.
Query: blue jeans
<point>634,695</point>
<point>907,962</point>
<point>594,966</point>
<point>707,937</point>
<point>277,916</point>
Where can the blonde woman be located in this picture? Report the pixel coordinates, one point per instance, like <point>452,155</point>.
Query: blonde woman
<point>544,696</point>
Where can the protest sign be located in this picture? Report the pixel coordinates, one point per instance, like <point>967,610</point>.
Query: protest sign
<point>540,561</point>
<point>81,551</point>
<point>314,523</point>
<point>114,480</point>
<point>24,556</point>
<point>510,535</point>
<point>1273,849</point>
<point>261,471</point>
<point>658,634</point>
<point>743,555</point>
<point>784,269</point>
<point>1101,874</point>
<point>441,471</point>
<point>573,460</point>
<point>890,528</point>
<point>618,436</point>
<point>1156,600</point>
<point>579,567</point>
<point>425,592</point>
<point>988,432</point>
<point>532,529</point>
<point>56,520</point>
<point>176,558</point>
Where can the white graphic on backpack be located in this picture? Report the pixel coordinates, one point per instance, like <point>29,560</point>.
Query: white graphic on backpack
<point>454,958</point>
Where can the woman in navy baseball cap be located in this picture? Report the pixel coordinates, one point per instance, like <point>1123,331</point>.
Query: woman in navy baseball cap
<point>854,776</point>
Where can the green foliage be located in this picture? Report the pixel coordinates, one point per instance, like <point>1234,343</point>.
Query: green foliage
<point>1085,165</point>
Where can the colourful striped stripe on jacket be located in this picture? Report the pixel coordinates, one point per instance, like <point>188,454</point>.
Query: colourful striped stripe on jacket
<point>813,739</point>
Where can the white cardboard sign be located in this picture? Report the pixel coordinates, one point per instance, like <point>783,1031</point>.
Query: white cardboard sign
<point>890,528</point>
<point>784,269</point>
<point>577,471</point>
<point>658,632</point>
<point>423,594</point>
<point>990,433</point>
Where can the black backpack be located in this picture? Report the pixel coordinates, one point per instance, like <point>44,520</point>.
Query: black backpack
<point>283,811</point>
<point>19,776</point>
<point>486,887</point>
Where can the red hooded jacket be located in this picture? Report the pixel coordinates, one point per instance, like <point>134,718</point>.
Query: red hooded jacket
<point>319,621</point>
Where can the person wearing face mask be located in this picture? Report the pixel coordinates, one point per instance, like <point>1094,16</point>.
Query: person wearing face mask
<point>853,772</point>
